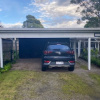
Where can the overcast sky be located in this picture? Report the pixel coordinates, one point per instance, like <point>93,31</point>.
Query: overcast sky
<point>51,13</point>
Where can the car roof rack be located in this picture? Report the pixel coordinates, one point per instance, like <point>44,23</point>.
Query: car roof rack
<point>58,43</point>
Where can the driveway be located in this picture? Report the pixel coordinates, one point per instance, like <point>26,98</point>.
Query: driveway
<point>58,83</point>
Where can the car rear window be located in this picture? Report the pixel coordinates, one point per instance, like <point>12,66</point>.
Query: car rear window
<point>58,47</point>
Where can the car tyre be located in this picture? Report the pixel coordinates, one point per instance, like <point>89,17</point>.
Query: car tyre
<point>71,68</point>
<point>44,68</point>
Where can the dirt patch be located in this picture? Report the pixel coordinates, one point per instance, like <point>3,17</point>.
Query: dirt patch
<point>27,64</point>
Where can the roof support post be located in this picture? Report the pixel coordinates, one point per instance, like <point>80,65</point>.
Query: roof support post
<point>79,48</point>
<point>98,46</point>
<point>95,45</point>
<point>70,44</point>
<point>89,53</point>
<point>75,50</point>
<point>15,46</point>
<point>1,53</point>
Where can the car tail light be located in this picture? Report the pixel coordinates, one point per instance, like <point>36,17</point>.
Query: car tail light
<point>47,52</point>
<point>70,52</point>
<point>46,61</point>
<point>72,61</point>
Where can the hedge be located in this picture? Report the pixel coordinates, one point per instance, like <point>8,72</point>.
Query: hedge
<point>94,56</point>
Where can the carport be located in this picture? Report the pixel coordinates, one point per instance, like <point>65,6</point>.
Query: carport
<point>33,47</point>
<point>74,34</point>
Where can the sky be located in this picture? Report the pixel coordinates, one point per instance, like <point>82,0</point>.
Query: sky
<point>51,13</point>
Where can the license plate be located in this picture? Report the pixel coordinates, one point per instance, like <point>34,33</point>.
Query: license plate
<point>59,62</point>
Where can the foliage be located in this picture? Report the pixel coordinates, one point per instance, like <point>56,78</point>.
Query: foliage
<point>90,11</point>
<point>15,56</point>
<point>94,56</point>
<point>32,22</point>
<point>95,61</point>
<point>93,23</point>
<point>84,54</point>
<point>94,52</point>
<point>6,68</point>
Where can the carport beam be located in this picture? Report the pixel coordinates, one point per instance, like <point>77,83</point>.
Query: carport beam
<point>89,53</point>
<point>1,53</point>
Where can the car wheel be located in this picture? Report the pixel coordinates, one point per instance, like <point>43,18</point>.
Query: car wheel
<point>71,68</point>
<point>44,68</point>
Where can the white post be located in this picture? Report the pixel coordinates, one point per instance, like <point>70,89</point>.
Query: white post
<point>79,48</point>
<point>1,53</point>
<point>15,46</point>
<point>98,46</point>
<point>75,50</point>
<point>95,46</point>
<point>89,53</point>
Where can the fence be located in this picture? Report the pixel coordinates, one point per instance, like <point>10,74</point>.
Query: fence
<point>9,51</point>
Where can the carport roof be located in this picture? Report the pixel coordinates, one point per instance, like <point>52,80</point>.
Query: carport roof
<point>49,32</point>
<point>50,29</point>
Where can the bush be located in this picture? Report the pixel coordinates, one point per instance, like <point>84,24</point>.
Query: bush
<point>6,68</point>
<point>94,56</point>
<point>85,52</point>
<point>98,62</point>
<point>95,61</point>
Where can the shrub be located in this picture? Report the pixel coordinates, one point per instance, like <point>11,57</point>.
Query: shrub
<point>6,68</point>
<point>93,60</point>
<point>94,56</point>
<point>85,52</point>
<point>98,62</point>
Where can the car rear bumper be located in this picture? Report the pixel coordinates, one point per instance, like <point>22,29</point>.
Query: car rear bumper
<point>59,61</point>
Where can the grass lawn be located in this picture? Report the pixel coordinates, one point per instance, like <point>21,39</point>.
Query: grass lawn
<point>10,81</point>
<point>71,83</point>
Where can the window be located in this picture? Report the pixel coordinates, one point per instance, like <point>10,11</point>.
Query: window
<point>58,47</point>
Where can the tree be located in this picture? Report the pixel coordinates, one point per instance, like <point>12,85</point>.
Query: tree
<point>32,22</point>
<point>90,11</point>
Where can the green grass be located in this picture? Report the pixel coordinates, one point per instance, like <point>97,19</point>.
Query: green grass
<point>10,81</point>
<point>96,77</point>
<point>75,85</point>
<point>84,67</point>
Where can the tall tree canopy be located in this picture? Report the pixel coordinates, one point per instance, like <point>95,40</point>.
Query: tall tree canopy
<point>32,22</point>
<point>90,11</point>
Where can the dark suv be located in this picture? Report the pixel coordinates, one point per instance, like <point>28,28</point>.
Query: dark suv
<point>58,55</point>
